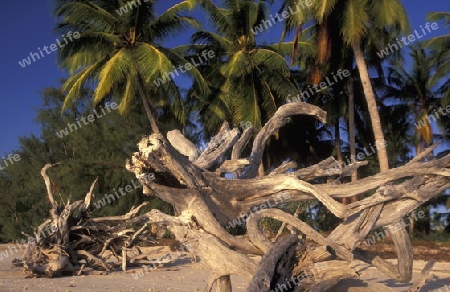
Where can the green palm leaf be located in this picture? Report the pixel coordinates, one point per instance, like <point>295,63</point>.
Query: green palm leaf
<point>76,82</point>
<point>238,66</point>
<point>323,8</point>
<point>355,19</point>
<point>114,72</point>
<point>87,16</point>
<point>271,60</point>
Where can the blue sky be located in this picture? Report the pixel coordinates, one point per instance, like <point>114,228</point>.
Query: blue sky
<point>27,25</point>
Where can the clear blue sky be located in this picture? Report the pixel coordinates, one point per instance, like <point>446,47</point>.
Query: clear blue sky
<point>28,24</point>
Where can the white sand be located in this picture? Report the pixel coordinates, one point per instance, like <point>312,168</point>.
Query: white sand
<point>186,276</point>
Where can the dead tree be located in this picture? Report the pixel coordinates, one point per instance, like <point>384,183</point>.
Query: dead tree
<point>205,202</point>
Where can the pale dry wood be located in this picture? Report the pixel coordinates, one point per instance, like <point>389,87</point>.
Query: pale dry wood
<point>132,240</point>
<point>221,259</point>
<point>357,285</point>
<point>204,204</point>
<point>425,152</point>
<point>433,167</point>
<point>356,227</point>
<point>283,225</point>
<point>348,170</point>
<point>58,261</point>
<point>48,183</point>
<point>217,147</point>
<point>223,284</point>
<point>199,210</point>
<point>37,233</point>
<point>144,255</point>
<point>404,251</point>
<point>133,212</point>
<point>54,255</point>
<point>327,278</point>
<point>183,145</point>
<point>124,258</point>
<point>91,258</point>
<point>424,275</point>
<point>81,270</point>
<point>327,168</point>
<point>90,195</point>
<point>403,270</point>
<point>240,145</point>
<point>255,191</point>
<point>243,142</point>
<point>174,167</point>
<point>258,238</point>
<point>262,279</point>
<point>232,165</point>
<point>285,166</point>
<point>279,119</point>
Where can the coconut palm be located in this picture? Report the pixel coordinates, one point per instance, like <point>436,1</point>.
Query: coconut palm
<point>441,50</point>
<point>418,89</point>
<point>120,52</point>
<point>381,15</point>
<point>247,81</point>
<point>359,22</point>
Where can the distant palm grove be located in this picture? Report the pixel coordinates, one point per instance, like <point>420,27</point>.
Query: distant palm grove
<point>125,55</point>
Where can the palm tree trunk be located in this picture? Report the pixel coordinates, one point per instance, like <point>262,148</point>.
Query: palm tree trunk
<point>372,106</point>
<point>337,142</point>
<point>147,106</point>
<point>337,149</point>
<point>351,123</point>
<point>351,128</point>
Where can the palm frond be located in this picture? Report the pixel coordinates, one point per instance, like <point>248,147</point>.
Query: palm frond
<point>112,73</point>
<point>193,72</point>
<point>75,83</point>
<point>216,40</point>
<point>355,19</point>
<point>146,54</point>
<point>390,13</point>
<point>87,15</point>
<point>171,21</point>
<point>323,9</point>
<point>86,50</point>
<point>128,94</point>
<point>237,66</point>
<point>218,16</point>
<point>271,60</point>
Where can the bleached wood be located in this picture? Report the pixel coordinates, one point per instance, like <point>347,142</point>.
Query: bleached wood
<point>205,203</point>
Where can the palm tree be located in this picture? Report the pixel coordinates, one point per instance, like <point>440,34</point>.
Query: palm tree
<point>380,14</point>
<point>418,89</point>
<point>441,51</point>
<point>247,81</point>
<point>358,20</point>
<point>120,53</point>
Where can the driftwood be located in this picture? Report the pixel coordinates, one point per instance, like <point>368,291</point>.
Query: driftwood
<point>205,202</point>
<point>78,242</point>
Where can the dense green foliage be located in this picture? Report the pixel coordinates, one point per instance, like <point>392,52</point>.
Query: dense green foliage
<point>97,149</point>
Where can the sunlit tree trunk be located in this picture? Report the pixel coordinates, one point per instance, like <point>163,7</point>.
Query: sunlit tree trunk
<point>351,123</point>
<point>351,128</point>
<point>147,106</point>
<point>372,106</point>
<point>337,140</point>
